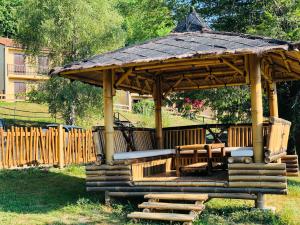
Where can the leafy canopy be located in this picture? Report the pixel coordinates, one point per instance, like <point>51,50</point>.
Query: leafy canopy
<point>69,29</point>
<point>8,17</point>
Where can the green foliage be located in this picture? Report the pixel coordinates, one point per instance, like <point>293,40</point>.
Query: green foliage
<point>72,100</point>
<point>222,15</point>
<point>70,30</point>
<point>145,19</point>
<point>280,20</point>
<point>231,104</point>
<point>8,17</point>
<point>144,107</point>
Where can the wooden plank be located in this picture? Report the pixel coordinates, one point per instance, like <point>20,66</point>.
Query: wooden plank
<point>181,183</point>
<point>184,197</point>
<point>172,206</point>
<point>255,166</point>
<point>108,178</point>
<point>108,167</point>
<point>162,216</point>
<point>247,184</point>
<point>108,183</point>
<point>257,172</point>
<point>257,178</point>
<point>109,173</point>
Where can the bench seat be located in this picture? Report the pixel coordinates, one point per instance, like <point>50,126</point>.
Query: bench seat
<point>240,151</point>
<point>143,154</point>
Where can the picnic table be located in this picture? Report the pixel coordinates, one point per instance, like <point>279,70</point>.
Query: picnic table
<point>208,149</point>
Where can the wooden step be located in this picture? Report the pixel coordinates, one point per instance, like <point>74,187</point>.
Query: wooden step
<point>182,197</point>
<point>173,206</point>
<point>162,216</point>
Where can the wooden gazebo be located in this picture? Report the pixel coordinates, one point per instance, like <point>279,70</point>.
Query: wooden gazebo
<point>190,58</point>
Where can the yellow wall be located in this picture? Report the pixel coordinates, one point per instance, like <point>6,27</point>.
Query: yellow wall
<point>31,80</point>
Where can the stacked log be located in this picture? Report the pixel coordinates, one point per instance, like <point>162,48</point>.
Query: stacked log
<point>108,176</point>
<point>258,175</point>
<point>240,159</point>
<point>292,165</point>
<point>273,156</point>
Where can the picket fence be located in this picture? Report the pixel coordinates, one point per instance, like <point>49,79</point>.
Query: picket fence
<point>34,146</point>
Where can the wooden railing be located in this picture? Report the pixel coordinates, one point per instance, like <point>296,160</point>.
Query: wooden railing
<point>175,136</point>
<point>241,135</point>
<point>53,146</point>
<point>127,139</point>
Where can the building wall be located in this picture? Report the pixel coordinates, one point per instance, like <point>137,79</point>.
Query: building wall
<point>2,69</point>
<point>30,78</point>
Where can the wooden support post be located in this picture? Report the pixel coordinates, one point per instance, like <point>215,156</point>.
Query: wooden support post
<point>256,108</point>
<point>273,103</point>
<point>158,116</point>
<point>61,155</point>
<point>108,91</point>
<point>260,201</point>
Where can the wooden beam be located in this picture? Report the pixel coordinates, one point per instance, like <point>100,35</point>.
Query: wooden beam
<point>273,102</point>
<point>108,115</point>
<point>158,116</point>
<point>231,65</point>
<point>256,107</point>
<point>123,77</point>
<point>173,86</point>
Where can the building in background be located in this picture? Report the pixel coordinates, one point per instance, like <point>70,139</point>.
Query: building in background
<point>18,71</point>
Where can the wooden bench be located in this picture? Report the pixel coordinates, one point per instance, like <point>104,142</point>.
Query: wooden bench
<point>275,144</point>
<point>146,163</point>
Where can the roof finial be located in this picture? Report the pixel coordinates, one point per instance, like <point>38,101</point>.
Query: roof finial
<point>192,23</point>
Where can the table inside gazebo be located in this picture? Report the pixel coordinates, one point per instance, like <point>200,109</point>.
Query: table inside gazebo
<point>207,149</point>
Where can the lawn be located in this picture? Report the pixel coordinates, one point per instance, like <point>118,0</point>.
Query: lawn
<point>38,119</point>
<point>58,197</point>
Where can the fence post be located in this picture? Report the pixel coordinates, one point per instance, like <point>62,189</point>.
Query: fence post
<point>61,158</point>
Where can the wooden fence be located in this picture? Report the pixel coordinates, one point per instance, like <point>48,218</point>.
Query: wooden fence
<point>52,146</point>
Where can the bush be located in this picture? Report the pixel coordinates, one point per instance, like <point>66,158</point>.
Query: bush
<point>144,107</point>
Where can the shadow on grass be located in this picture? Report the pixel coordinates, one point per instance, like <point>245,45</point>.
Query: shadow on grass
<point>40,191</point>
<point>293,182</point>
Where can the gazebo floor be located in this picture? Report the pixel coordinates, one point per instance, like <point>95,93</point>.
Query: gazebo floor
<point>219,176</point>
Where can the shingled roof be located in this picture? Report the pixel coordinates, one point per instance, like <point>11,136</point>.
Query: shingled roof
<point>191,42</point>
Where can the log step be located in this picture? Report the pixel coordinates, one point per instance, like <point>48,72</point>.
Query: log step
<point>162,216</point>
<point>171,206</point>
<point>181,197</point>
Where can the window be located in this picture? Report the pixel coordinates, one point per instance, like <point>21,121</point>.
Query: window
<point>43,66</point>
<point>19,63</point>
<point>20,90</point>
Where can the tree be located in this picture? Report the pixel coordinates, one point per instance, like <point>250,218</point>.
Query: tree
<point>8,17</point>
<point>222,15</point>
<point>69,30</point>
<point>145,19</point>
<point>231,104</point>
<point>64,96</point>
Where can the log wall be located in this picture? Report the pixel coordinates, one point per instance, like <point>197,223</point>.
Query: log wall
<point>258,175</point>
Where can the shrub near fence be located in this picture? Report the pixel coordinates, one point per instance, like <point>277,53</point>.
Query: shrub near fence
<point>52,146</point>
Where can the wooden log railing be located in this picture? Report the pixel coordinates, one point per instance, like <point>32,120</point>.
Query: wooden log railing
<point>137,139</point>
<point>241,135</point>
<point>175,136</point>
<point>36,146</point>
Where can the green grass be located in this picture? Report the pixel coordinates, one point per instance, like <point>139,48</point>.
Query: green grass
<point>25,118</point>
<point>137,119</point>
<point>58,197</point>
